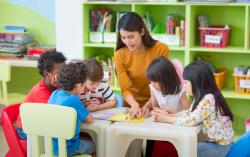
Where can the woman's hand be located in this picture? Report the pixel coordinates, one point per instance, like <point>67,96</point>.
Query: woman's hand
<point>145,111</point>
<point>135,112</point>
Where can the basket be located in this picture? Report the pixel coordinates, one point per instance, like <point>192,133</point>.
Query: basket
<point>247,124</point>
<point>220,78</point>
<point>214,36</point>
<point>242,84</point>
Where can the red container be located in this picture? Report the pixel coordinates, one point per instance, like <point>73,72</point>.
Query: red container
<point>38,50</point>
<point>214,36</point>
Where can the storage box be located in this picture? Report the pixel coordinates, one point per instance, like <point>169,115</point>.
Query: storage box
<point>220,78</point>
<point>242,84</point>
<point>214,36</point>
<point>110,37</point>
<point>247,124</point>
<point>95,37</point>
<point>170,40</point>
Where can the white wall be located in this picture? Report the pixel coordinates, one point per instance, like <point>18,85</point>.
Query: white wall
<point>69,28</point>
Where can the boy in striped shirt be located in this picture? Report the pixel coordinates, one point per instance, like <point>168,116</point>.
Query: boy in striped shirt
<point>98,94</point>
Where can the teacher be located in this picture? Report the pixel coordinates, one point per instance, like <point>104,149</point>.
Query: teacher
<point>135,49</point>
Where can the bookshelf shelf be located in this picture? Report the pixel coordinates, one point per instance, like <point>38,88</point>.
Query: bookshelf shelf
<point>229,49</point>
<point>236,15</point>
<point>229,93</point>
<point>109,45</point>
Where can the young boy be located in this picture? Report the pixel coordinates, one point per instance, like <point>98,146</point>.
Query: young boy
<point>49,64</point>
<point>98,94</point>
<point>71,81</point>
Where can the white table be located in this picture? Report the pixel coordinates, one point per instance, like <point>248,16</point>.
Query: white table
<point>97,129</point>
<point>121,134</point>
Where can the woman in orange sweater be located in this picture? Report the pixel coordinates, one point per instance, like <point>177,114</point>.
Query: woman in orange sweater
<point>135,50</point>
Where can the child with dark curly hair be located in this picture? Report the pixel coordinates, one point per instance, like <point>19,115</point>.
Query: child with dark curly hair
<point>71,82</point>
<point>49,65</point>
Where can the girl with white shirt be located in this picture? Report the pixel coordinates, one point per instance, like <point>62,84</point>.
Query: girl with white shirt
<point>167,93</point>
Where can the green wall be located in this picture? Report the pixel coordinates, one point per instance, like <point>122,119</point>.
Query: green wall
<point>43,29</point>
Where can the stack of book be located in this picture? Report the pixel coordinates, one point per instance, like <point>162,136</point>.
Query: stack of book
<point>14,40</point>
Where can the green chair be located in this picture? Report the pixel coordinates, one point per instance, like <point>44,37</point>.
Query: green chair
<point>48,121</point>
<point>5,76</point>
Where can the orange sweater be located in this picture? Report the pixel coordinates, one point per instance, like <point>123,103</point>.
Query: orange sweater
<point>131,67</point>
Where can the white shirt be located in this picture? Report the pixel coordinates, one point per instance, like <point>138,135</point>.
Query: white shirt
<point>171,101</point>
<point>103,92</point>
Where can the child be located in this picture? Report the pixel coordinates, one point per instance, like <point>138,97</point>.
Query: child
<point>209,110</point>
<point>167,93</point>
<point>71,81</point>
<point>98,94</point>
<point>167,96</point>
<point>49,64</point>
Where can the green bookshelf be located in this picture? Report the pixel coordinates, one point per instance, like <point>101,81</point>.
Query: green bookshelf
<point>236,15</point>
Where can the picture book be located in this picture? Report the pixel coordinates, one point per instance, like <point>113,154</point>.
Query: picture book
<point>116,117</point>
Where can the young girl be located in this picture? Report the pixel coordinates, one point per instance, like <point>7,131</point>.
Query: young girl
<point>209,110</point>
<point>167,93</point>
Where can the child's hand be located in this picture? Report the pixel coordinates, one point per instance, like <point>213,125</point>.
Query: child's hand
<point>92,107</point>
<point>159,111</point>
<point>162,118</point>
<point>169,110</point>
<point>95,101</point>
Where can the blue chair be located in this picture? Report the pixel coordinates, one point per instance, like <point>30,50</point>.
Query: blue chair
<point>119,100</point>
<point>241,148</point>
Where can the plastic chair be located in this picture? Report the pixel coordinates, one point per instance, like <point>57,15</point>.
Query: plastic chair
<point>241,147</point>
<point>49,121</point>
<point>5,76</point>
<point>179,69</point>
<point>119,100</point>
<point>17,147</point>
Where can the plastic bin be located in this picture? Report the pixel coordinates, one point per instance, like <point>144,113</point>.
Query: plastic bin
<point>214,36</point>
<point>220,78</point>
<point>96,37</point>
<point>247,124</point>
<point>242,84</point>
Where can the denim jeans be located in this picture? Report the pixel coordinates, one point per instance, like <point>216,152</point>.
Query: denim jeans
<point>22,135</point>
<point>211,149</point>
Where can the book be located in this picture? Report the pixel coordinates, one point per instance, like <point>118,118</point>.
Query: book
<point>116,117</point>
<point>125,118</point>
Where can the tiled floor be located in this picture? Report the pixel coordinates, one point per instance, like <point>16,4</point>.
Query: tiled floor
<point>3,144</point>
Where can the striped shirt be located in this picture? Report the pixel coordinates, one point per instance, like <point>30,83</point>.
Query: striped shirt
<point>103,93</point>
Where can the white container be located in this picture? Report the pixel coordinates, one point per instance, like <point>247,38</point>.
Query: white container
<point>95,37</point>
<point>170,40</point>
<point>110,37</point>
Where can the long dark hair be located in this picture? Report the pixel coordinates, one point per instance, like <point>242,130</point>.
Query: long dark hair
<point>132,22</point>
<point>163,71</point>
<point>202,81</point>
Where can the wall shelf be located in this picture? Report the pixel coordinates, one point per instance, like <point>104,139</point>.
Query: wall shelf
<point>227,93</point>
<point>237,15</point>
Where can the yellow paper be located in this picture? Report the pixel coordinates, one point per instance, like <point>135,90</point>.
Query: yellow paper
<point>124,118</point>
